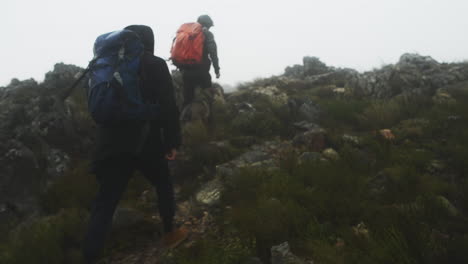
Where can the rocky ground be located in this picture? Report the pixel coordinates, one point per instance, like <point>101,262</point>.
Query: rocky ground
<point>45,133</point>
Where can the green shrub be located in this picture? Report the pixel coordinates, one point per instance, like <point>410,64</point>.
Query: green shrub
<point>210,155</point>
<point>195,133</point>
<point>46,240</point>
<point>315,205</point>
<point>273,207</point>
<point>259,124</point>
<point>380,115</point>
<point>405,184</point>
<point>76,189</point>
<point>341,114</point>
<point>219,126</point>
<point>324,92</point>
<point>132,197</point>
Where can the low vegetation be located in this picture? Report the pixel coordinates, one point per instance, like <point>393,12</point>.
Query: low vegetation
<point>401,200</point>
<point>385,200</point>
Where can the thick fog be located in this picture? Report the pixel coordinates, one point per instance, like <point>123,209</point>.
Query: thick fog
<point>255,38</point>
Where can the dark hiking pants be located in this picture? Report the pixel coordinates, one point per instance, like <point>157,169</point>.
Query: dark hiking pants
<point>193,78</point>
<point>113,177</point>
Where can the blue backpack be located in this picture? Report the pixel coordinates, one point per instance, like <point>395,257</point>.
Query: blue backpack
<point>114,93</point>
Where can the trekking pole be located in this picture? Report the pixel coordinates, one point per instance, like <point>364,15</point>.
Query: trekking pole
<point>71,88</point>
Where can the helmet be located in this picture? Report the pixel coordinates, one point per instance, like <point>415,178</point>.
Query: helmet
<point>205,20</point>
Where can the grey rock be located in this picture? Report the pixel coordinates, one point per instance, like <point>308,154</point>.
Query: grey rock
<point>268,164</point>
<point>58,162</point>
<point>353,140</point>
<point>336,77</point>
<point>313,140</point>
<point>254,156</point>
<point>309,110</point>
<point>311,66</point>
<point>454,118</point>
<point>447,205</point>
<point>210,193</point>
<point>37,135</point>
<point>281,254</point>
<point>436,166</point>
<point>202,105</point>
<point>331,154</point>
<point>412,75</point>
<point>295,71</point>
<point>226,170</point>
<point>273,93</point>
<point>245,107</point>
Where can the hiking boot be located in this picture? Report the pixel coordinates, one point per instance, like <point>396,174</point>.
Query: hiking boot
<point>173,239</point>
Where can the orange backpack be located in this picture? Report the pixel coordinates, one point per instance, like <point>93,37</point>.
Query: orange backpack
<point>187,48</point>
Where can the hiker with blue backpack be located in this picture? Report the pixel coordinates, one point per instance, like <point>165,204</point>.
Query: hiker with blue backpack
<point>131,98</point>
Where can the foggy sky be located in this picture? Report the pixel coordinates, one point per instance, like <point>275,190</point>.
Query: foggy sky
<point>256,38</point>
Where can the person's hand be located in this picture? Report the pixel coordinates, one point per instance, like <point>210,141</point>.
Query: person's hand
<point>218,75</point>
<point>171,155</point>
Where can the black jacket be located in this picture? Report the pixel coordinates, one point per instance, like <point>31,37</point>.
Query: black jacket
<point>145,140</point>
<point>210,51</point>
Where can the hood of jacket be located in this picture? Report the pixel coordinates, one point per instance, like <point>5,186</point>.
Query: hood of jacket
<point>146,35</point>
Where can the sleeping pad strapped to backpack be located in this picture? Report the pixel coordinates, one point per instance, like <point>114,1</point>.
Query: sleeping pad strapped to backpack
<point>187,48</point>
<point>114,94</point>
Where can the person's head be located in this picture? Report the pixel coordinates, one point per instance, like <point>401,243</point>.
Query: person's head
<point>205,21</point>
<point>146,35</point>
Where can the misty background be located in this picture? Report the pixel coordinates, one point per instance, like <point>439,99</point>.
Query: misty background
<point>255,38</point>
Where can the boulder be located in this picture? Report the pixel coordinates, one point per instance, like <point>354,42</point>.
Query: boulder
<point>308,110</point>
<point>352,140</point>
<point>281,254</point>
<point>273,93</point>
<point>210,193</point>
<point>331,154</point>
<point>295,71</point>
<point>412,75</point>
<point>254,156</point>
<point>313,140</point>
<point>305,126</point>
<point>38,135</point>
<point>447,205</point>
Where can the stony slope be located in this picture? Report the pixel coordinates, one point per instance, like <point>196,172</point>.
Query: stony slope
<point>44,133</point>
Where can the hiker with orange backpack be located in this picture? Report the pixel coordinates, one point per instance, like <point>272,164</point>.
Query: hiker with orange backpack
<point>193,51</point>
